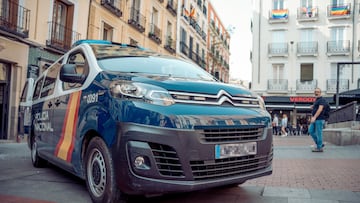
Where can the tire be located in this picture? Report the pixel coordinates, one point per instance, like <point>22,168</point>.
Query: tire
<point>100,174</point>
<point>36,160</point>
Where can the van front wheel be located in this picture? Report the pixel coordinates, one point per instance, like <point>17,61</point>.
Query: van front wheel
<point>99,172</point>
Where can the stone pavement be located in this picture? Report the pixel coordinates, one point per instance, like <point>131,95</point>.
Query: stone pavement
<point>299,176</point>
<point>295,166</point>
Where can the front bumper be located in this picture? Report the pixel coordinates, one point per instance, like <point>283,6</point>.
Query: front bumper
<point>179,160</point>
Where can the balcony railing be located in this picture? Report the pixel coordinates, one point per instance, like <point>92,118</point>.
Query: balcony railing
<point>278,15</point>
<point>196,58</point>
<point>278,49</point>
<point>306,86</point>
<point>61,37</point>
<point>339,11</point>
<point>112,6</point>
<point>340,47</point>
<point>184,48</point>
<point>331,85</point>
<point>170,44</point>
<point>277,85</point>
<point>171,7</point>
<point>14,18</point>
<point>155,33</point>
<point>307,13</point>
<point>137,20</point>
<point>307,48</point>
<point>198,29</point>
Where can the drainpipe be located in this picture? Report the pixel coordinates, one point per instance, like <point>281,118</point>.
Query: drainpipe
<point>259,42</point>
<point>353,42</point>
<point>88,23</point>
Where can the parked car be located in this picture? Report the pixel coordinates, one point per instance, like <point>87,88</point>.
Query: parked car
<point>134,122</point>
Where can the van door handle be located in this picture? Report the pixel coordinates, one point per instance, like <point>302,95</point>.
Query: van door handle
<point>57,102</point>
<point>49,104</point>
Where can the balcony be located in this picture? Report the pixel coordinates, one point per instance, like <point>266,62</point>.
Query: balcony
<point>331,85</point>
<point>279,16</point>
<point>112,6</point>
<point>184,48</point>
<point>190,18</point>
<point>170,45</point>
<point>305,86</point>
<point>197,59</point>
<point>137,20</point>
<point>14,19</point>
<point>61,37</point>
<point>198,29</point>
<point>155,33</point>
<point>277,85</point>
<point>307,14</point>
<point>171,7</point>
<point>339,48</point>
<point>278,49</point>
<point>307,48</point>
<point>339,11</point>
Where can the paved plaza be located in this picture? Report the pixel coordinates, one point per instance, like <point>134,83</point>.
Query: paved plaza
<point>299,176</point>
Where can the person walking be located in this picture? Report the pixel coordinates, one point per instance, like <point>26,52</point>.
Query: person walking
<point>284,123</point>
<point>275,125</point>
<point>317,121</point>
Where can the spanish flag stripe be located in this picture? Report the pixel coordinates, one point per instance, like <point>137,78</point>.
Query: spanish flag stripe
<point>66,144</point>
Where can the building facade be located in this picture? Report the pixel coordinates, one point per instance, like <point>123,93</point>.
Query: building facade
<point>218,42</point>
<point>150,24</point>
<point>192,31</point>
<point>297,46</point>
<point>33,34</point>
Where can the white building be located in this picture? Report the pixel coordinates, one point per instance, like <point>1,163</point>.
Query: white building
<point>296,47</point>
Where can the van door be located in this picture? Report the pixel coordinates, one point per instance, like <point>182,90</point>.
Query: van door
<point>25,108</point>
<point>45,115</point>
<point>67,108</point>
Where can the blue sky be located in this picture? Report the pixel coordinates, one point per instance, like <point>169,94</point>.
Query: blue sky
<point>237,14</point>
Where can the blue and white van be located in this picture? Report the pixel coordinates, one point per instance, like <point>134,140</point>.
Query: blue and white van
<point>133,122</point>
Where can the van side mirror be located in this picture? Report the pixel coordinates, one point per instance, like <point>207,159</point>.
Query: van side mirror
<point>68,74</point>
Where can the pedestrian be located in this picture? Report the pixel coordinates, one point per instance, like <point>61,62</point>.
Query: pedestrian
<point>317,121</point>
<point>275,124</point>
<point>284,123</point>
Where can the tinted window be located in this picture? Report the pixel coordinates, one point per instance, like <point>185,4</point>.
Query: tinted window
<point>82,67</point>
<point>24,92</point>
<point>50,80</point>
<point>37,88</point>
<point>155,65</point>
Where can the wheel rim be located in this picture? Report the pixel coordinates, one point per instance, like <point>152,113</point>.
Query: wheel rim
<point>96,173</point>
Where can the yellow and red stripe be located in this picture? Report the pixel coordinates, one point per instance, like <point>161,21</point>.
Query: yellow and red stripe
<point>66,143</point>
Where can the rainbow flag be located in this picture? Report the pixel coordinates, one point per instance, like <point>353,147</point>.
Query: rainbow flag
<point>339,10</point>
<point>278,14</point>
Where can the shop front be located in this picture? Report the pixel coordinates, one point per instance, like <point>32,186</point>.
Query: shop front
<point>296,108</point>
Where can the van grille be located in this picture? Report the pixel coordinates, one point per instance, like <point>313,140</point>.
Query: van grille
<point>221,98</point>
<point>218,135</point>
<point>167,161</point>
<point>221,168</point>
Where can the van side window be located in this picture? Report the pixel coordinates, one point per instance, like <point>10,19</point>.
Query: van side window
<point>24,92</point>
<point>37,88</point>
<point>82,67</point>
<point>50,80</point>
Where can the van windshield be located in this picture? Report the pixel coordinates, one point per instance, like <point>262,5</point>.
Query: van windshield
<point>155,65</point>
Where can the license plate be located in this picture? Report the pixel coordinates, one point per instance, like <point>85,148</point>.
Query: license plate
<point>235,150</point>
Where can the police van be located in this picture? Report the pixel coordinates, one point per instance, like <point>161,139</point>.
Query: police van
<point>130,121</point>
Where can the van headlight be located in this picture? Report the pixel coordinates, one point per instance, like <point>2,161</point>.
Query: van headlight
<point>145,92</point>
